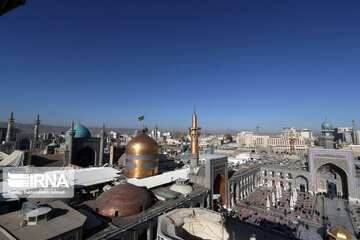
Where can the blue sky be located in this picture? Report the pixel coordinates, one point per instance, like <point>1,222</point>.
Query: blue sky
<point>243,63</point>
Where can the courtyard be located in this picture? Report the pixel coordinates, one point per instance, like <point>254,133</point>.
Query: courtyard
<point>309,217</point>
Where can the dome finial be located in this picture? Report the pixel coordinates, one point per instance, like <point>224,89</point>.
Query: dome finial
<point>326,125</point>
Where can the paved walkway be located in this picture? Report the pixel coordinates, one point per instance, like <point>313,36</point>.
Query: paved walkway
<point>335,209</point>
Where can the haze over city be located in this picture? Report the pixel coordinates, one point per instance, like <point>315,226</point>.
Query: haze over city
<point>267,63</point>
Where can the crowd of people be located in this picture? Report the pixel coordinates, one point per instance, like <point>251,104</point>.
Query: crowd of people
<point>279,215</point>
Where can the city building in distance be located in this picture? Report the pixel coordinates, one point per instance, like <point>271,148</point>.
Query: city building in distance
<point>167,186</point>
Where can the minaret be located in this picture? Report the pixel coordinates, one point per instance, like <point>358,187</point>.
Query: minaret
<point>71,143</point>
<point>36,131</point>
<point>145,129</point>
<point>156,132</point>
<point>194,135</point>
<point>327,135</point>
<point>354,133</point>
<point>11,121</point>
<point>292,142</point>
<point>182,139</point>
<point>102,141</point>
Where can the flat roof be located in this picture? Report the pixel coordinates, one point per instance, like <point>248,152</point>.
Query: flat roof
<point>160,179</point>
<point>94,175</point>
<point>211,156</point>
<point>8,197</point>
<point>64,219</point>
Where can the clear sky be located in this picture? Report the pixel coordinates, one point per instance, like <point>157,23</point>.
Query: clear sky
<point>243,63</point>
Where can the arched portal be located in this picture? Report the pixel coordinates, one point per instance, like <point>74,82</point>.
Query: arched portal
<point>332,189</point>
<point>263,153</point>
<point>265,182</point>
<point>273,183</point>
<point>219,187</point>
<point>288,186</point>
<point>86,157</point>
<point>331,179</point>
<point>301,183</point>
<point>24,144</point>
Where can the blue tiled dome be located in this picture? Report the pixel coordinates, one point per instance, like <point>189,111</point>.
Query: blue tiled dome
<point>326,125</point>
<point>187,153</point>
<point>80,132</point>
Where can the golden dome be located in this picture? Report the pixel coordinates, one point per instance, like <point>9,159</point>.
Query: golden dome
<point>142,145</point>
<point>142,157</point>
<point>340,233</point>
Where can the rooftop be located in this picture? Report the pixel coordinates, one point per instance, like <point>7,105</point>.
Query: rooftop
<point>64,219</point>
<point>123,223</point>
<point>160,179</point>
<point>200,223</point>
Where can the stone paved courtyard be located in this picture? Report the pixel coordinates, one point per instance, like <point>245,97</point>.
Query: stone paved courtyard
<point>310,216</point>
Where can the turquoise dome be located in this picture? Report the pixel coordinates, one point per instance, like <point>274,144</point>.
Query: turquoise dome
<point>80,132</point>
<point>326,125</point>
<point>187,153</point>
<point>209,151</point>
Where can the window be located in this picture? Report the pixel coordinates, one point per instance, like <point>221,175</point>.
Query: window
<point>32,219</point>
<point>41,217</point>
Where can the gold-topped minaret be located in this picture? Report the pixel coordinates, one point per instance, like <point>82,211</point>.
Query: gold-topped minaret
<point>194,135</point>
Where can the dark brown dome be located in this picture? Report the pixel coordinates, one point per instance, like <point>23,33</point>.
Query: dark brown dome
<point>122,200</point>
